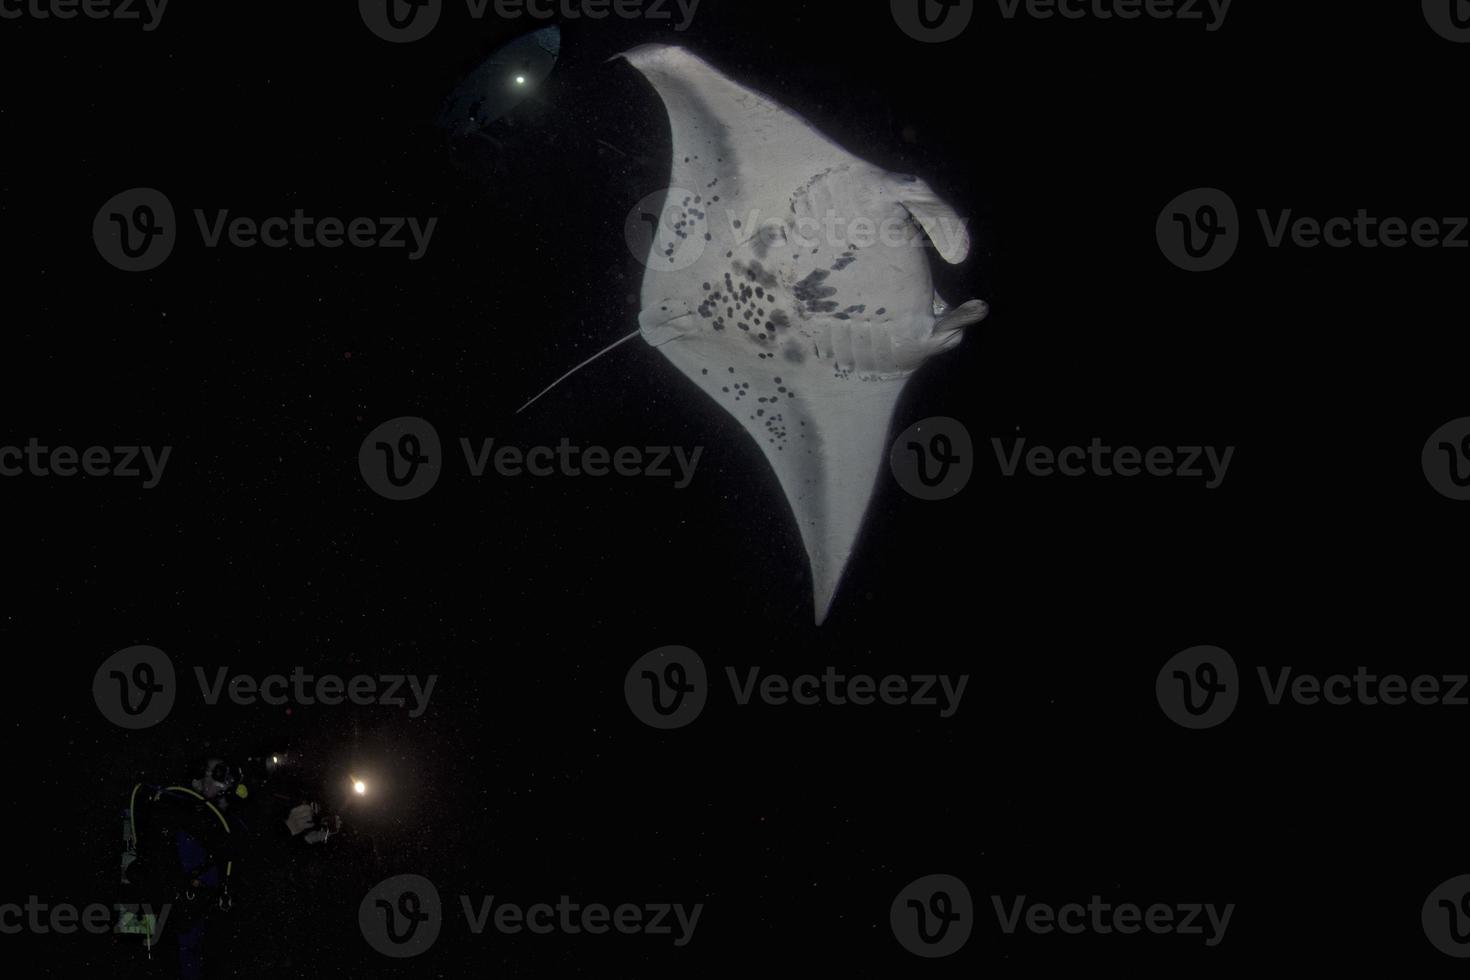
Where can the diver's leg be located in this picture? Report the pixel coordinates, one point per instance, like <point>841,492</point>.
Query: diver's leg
<point>191,951</point>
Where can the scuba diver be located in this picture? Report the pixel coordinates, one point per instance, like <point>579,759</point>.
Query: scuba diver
<point>179,855</point>
<point>184,843</point>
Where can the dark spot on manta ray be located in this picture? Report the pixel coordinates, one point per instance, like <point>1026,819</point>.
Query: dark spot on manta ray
<point>813,293</point>
<point>756,273</point>
<point>880,311</point>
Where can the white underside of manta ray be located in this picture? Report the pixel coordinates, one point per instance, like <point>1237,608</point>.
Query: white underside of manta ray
<point>802,315</point>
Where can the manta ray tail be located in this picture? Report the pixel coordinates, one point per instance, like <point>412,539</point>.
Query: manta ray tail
<point>537,397</point>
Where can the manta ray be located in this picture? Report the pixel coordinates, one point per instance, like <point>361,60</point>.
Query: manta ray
<point>789,281</point>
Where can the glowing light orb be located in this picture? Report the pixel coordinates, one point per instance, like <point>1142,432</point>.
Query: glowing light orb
<point>520,79</point>
<point>359,787</point>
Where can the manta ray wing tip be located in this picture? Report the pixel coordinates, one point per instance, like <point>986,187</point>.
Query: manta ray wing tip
<point>642,54</point>
<point>824,593</point>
